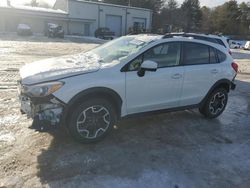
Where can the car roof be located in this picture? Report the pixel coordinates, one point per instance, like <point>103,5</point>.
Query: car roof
<point>147,37</point>
<point>155,37</point>
<point>187,39</point>
<point>197,34</point>
<point>214,38</point>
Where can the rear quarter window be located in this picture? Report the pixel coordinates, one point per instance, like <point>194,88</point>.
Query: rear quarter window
<point>221,56</point>
<point>213,58</point>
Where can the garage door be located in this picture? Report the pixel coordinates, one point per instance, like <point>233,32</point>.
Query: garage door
<point>114,23</point>
<point>76,28</point>
<point>140,22</point>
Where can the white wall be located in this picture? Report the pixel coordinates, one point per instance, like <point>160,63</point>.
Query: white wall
<point>10,18</point>
<point>2,23</point>
<point>61,4</point>
<point>138,13</point>
<point>97,12</point>
<point>88,13</point>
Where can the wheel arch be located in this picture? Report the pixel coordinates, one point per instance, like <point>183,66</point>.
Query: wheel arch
<point>96,92</point>
<point>223,83</point>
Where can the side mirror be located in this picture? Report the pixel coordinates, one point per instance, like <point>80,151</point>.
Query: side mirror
<point>147,66</point>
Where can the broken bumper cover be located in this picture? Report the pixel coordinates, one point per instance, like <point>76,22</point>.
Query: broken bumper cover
<point>47,109</point>
<point>233,86</point>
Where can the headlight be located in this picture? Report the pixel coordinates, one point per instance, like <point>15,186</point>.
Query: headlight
<point>42,90</point>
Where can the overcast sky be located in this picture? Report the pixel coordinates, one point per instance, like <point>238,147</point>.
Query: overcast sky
<point>209,3</point>
<point>213,3</point>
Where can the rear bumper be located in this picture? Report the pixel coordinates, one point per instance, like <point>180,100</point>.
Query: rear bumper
<point>233,86</point>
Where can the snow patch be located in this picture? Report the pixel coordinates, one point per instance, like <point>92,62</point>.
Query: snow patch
<point>23,27</point>
<point>6,50</point>
<point>9,119</point>
<point>41,9</point>
<point>7,137</point>
<point>55,68</point>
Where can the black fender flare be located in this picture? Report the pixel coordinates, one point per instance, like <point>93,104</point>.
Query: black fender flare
<point>104,92</point>
<point>220,83</point>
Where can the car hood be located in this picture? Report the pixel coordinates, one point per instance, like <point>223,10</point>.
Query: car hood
<point>58,68</point>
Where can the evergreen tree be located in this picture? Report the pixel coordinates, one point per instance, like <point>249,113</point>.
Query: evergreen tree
<point>191,15</point>
<point>34,3</point>
<point>206,21</point>
<point>170,15</point>
<point>226,18</point>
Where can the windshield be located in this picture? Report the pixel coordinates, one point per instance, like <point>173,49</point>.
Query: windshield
<point>120,48</point>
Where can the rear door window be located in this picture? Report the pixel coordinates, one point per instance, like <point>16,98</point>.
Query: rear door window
<point>195,54</point>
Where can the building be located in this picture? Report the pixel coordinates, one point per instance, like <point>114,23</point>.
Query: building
<point>77,17</point>
<point>36,18</point>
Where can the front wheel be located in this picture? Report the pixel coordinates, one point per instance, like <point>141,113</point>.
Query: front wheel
<point>92,120</point>
<point>215,103</point>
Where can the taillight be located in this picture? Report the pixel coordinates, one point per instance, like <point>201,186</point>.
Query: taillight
<point>235,66</point>
<point>230,52</point>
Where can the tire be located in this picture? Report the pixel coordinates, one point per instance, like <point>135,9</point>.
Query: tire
<point>215,103</point>
<point>92,120</point>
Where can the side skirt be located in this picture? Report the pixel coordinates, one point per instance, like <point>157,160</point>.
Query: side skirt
<point>141,114</point>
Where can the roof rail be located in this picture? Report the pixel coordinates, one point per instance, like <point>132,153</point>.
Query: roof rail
<point>183,34</point>
<point>171,35</point>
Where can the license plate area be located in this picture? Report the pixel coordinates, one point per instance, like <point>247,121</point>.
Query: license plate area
<point>25,105</point>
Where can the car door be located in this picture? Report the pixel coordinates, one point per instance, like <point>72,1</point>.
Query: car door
<point>201,70</point>
<point>155,90</point>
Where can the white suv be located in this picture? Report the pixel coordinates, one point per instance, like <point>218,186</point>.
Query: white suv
<point>91,91</point>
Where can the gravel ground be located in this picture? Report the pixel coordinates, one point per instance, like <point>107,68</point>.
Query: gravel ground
<point>177,150</point>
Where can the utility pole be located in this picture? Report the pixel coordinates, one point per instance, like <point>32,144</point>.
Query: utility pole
<point>8,3</point>
<point>129,3</point>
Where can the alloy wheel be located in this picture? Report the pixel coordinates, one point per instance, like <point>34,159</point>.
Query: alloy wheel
<point>217,103</point>
<point>93,122</point>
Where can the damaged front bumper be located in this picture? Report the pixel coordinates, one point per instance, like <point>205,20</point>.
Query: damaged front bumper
<point>48,109</point>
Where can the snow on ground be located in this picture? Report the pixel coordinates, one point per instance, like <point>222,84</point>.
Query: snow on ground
<point>24,7</point>
<point>242,58</point>
<point>40,9</point>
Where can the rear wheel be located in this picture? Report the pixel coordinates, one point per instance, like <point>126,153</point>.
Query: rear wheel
<point>92,120</point>
<point>215,103</point>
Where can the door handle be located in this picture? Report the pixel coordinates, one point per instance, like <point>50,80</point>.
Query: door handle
<point>176,76</point>
<point>214,71</point>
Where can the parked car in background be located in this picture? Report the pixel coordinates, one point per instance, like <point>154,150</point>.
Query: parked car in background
<point>24,30</point>
<point>104,33</point>
<point>247,46</point>
<point>55,31</point>
<point>234,45</point>
<point>89,92</point>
